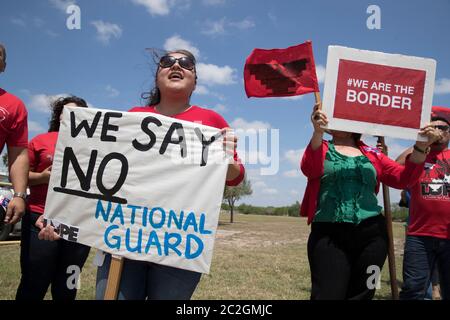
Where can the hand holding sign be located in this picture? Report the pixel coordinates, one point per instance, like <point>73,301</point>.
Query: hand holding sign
<point>431,133</point>
<point>229,141</point>
<point>47,232</point>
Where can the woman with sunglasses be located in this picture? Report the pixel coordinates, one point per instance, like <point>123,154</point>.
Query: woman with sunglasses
<point>175,81</point>
<point>348,240</point>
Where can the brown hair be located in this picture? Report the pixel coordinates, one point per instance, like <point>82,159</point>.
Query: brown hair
<point>57,107</point>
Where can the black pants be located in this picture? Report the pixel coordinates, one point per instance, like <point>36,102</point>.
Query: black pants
<point>47,262</point>
<point>339,257</point>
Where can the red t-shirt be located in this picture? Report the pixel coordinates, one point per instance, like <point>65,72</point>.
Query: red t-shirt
<point>205,117</point>
<point>40,151</point>
<point>430,198</point>
<point>13,121</point>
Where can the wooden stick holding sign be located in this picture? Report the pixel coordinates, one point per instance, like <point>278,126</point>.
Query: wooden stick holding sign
<point>318,99</point>
<point>388,216</point>
<point>114,276</point>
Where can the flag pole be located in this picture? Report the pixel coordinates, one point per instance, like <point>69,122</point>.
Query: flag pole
<point>388,216</point>
<point>318,99</point>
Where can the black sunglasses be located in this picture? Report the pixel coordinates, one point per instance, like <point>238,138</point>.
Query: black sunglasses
<point>184,62</point>
<point>443,128</point>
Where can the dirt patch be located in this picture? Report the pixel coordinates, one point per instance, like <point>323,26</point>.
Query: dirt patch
<point>252,239</point>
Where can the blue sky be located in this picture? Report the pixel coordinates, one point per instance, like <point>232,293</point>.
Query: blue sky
<point>106,63</point>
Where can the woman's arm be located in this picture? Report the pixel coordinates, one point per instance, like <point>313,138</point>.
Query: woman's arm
<point>36,178</point>
<point>402,176</point>
<point>318,119</point>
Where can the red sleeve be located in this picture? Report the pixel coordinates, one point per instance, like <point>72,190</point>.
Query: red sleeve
<point>399,176</point>
<point>32,155</point>
<point>19,128</point>
<point>312,161</point>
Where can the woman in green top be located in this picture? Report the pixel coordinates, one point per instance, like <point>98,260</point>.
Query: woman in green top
<point>348,243</point>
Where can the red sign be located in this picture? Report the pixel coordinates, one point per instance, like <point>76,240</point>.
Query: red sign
<point>281,72</point>
<point>379,94</point>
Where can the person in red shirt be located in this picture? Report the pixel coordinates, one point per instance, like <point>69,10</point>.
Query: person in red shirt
<point>44,263</point>
<point>348,239</point>
<point>175,81</point>
<point>428,235</point>
<point>14,133</point>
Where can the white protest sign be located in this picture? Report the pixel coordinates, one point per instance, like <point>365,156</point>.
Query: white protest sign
<point>139,185</point>
<point>378,93</point>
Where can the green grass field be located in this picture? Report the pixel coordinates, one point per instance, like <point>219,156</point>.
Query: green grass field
<point>256,257</point>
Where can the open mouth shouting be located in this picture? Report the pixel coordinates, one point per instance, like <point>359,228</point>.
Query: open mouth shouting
<point>176,75</point>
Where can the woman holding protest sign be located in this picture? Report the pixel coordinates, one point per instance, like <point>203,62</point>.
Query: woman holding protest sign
<point>44,263</point>
<point>175,81</point>
<point>348,243</point>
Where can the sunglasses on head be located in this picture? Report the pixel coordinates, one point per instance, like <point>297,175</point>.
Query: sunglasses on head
<point>443,128</point>
<point>184,62</point>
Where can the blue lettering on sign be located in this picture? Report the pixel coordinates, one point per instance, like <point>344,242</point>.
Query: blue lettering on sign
<point>118,213</point>
<point>189,254</point>
<point>153,240</point>
<point>160,232</point>
<point>115,245</point>
<point>152,217</point>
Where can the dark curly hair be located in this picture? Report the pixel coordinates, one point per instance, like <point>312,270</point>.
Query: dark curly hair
<point>57,107</point>
<point>154,96</point>
<point>437,118</point>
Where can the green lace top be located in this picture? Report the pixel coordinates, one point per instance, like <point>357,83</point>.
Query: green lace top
<point>347,189</point>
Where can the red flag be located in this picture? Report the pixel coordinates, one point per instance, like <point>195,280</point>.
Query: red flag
<point>440,112</point>
<point>281,72</point>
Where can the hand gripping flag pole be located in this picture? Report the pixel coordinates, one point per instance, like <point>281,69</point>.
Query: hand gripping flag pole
<point>388,216</point>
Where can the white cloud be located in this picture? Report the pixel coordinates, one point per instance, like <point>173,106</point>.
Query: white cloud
<point>41,102</point>
<point>176,42</point>
<point>34,126</point>
<point>272,17</point>
<point>155,7</point>
<point>210,74</point>
<point>214,2</point>
<point>220,108</point>
<point>51,33</point>
<point>62,4</point>
<point>259,184</point>
<point>112,92</point>
<point>106,31</point>
<point>38,22</point>
<point>202,90</point>
<point>247,23</point>
<point>19,22</point>
<point>214,27</point>
<point>292,174</point>
<point>242,124</point>
<point>294,156</point>
<point>320,72</point>
<point>218,27</point>
<point>442,86</point>
<point>270,191</point>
